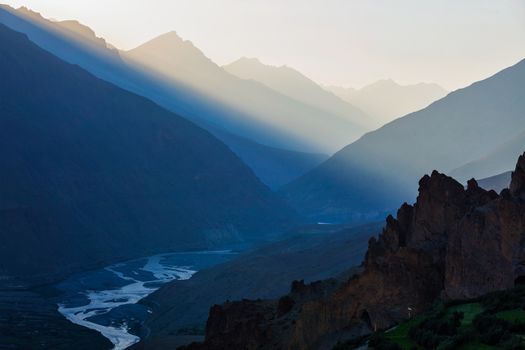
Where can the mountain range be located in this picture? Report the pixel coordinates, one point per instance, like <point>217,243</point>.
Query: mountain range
<point>93,173</point>
<point>294,84</point>
<point>292,123</point>
<point>77,44</point>
<point>374,174</point>
<point>110,155</point>
<point>276,111</point>
<point>385,100</point>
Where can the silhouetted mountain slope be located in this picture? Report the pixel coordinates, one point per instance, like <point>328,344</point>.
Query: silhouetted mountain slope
<point>377,172</point>
<point>91,172</point>
<point>453,243</point>
<point>385,100</point>
<point>77,44</point>
<point>498,160</point>
<point>292,83</point>
<point>267,116</point>
<point>181,307</point>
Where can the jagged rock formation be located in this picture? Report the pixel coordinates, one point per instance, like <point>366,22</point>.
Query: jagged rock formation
<point>452,243</point>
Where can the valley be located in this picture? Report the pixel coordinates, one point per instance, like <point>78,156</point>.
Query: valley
<point>233,175</point>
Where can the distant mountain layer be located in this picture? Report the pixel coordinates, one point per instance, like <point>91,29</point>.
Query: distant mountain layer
<point>77,44</point>
<point>386,100</point>
<point>292,83</point>
<point>377,172</point>
<point>293,123</point>
<point>92,173</point>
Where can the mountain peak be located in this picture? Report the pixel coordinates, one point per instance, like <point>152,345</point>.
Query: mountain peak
<point>71,29</point>
<point>390,83</point>
<point>168,42</point>
<point>255,63</point>
<point>248,60</point>
<point>170,36</point>
<point>382,84</point>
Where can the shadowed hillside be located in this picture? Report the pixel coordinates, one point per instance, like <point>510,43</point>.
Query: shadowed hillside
<point>77,44</point>
<point>94,173</point>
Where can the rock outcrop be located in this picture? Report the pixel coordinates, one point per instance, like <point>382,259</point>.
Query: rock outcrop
<point>517,186</point>
<point>452,243</point>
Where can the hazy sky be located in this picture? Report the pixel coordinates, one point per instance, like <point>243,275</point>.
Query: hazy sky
<point>341,42</point>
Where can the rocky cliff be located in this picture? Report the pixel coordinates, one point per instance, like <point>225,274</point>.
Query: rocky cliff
<point>452,243</point>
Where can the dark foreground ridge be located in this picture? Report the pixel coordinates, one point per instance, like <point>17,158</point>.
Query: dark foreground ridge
<point>453,243</point>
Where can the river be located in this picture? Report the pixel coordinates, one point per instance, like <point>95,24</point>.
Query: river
<point>106,299</point>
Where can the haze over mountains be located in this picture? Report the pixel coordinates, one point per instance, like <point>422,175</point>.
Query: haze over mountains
<point>269,115</point>
<point>292,83</point>
<point>313,129</point>
<point>76,44</point>
<point>382,101</point>
<point>385,100</point>
<point>371,175</point>
<point>251,178</point>
<point>94,173</point>
<point>496,161</point>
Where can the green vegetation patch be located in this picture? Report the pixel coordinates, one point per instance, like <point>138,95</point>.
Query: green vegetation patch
<point>515,315</point>
<point>469,310</point>
<point>399,334</point>
<point>493,321</point>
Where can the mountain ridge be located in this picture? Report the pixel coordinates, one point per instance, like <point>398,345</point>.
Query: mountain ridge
<point>95,56</point>
<point>386,100</point>
<point>292,83</point>
<point>313,129</point>
<point>89,166</point>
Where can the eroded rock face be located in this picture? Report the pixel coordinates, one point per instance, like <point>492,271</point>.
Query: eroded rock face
<point>453,243</point>
<point>517,185</point>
